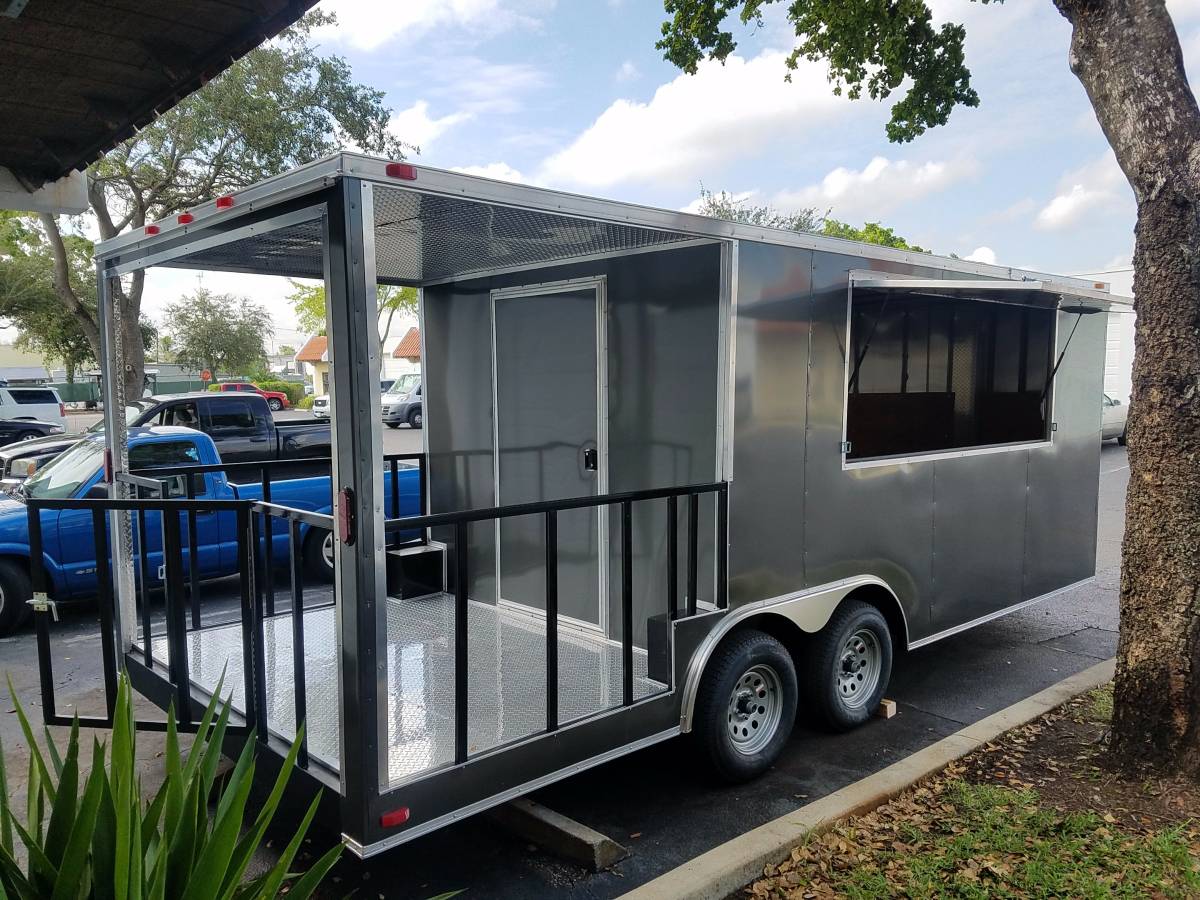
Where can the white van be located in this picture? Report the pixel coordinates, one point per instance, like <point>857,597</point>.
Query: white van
<point>41,403</point>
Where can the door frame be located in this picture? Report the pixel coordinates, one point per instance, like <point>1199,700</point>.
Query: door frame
<point>599,284</point>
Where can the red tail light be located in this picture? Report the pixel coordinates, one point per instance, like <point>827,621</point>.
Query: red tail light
<point>186,218</point>
<point>62,409</point>
<point>394,817</point>
<point>401,170</point>
<point>225,202</point>
<point>152,229</point>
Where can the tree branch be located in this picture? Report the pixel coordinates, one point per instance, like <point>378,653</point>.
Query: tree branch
<point>62,283</point>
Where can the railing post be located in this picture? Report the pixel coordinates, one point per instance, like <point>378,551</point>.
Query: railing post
<point>460,642</point>
<point>269,546</point>
<point>673,557</point>
<point>551,620</point>
<point>193,551</point>
<point>260,674</point>
<point>723,546</point>
<point>299,691</point>
<point>144,577</point>
<point>627,601</point>
<point>249,644</point>
<point>692,530</point>
<point>394,492</point>
<point>37,574</point>
<point>177,664</point>
<point>104,603</point>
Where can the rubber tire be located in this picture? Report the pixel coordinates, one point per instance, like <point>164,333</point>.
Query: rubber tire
<point>314,563</point>
<point>415,419</point>
<point>732,658</point>
<point>274,404</point>
<point>392,424</point>
<point>29,436</point>
<point>15,592</point>
<point>1122,438</point>
<point>824,658</point>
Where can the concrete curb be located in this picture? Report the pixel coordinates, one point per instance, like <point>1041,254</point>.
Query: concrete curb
<point>723,870</point>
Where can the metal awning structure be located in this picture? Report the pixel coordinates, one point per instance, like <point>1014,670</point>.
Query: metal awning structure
<point>1023,292</point>
<point>81,76</point>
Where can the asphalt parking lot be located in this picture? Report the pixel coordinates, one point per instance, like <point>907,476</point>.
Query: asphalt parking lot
<point>654,802</point>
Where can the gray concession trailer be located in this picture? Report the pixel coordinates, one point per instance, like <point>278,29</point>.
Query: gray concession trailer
<point>678,475</point>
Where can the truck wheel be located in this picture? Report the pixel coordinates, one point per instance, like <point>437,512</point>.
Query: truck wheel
<point>274,404</point>
<point>414,418</point>
<point>318,554</point>
<point>746,705</point>
<point>28,436</point>
<point>849,665</point>
<point>15,591</point>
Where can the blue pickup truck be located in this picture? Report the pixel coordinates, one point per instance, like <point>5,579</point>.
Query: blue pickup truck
<point>68,546</point>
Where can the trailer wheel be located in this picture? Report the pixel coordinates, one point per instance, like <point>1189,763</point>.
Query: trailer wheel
<point>15,591</point>
<point>849,665</point>
<point>746,705</point>
<point>318,554</point>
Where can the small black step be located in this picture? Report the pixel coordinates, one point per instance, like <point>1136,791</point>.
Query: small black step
<point>416,570</point>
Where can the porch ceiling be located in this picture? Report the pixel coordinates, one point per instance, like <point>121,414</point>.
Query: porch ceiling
<point>423,237</point>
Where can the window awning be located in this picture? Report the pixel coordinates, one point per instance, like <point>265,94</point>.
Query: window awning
<point>1046,294</point>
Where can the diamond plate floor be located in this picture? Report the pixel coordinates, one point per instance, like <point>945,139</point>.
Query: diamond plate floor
<point>506,678</point>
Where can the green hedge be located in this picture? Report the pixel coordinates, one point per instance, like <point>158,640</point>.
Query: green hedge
<point>304,403</point>
<point>295,392</point>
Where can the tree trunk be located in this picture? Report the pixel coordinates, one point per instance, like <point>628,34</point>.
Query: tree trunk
<point>1127,55</point>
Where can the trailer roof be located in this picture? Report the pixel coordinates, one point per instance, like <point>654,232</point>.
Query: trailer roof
<point>80,76</point>
<point>433,225</point>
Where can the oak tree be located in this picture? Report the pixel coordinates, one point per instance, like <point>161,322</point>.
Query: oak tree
<point>219,332</point>
<point>1127,55</point>
<point>281,105</point>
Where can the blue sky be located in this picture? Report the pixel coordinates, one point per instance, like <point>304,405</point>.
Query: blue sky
<point>573,95</point>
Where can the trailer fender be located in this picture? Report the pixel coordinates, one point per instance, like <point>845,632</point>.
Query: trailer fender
<point>809,610</point>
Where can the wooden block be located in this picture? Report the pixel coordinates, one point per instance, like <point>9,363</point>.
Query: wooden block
<point>886,709</point>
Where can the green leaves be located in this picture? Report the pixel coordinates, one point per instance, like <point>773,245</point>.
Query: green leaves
<point>869,45</point>
<point>105,842</point>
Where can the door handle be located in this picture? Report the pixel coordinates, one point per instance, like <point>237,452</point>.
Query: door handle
<point>591,459</point>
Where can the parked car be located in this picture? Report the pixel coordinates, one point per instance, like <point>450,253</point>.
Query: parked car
<point>320,407</point>
<point>277,400</point>
<point>25,430</point>
<point>67,539</point>
<point>40,403</point>
<point>240,423</point>
<point>399,408</point>
<point>1113,420</point>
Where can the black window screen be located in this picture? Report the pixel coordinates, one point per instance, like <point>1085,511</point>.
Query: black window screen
<point>934,373</point>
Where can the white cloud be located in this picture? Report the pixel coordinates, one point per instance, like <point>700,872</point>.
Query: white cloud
<point>498,171</point>
<point>982,255</point>
<point>369,24</point>
<point>879,187</point>
<point>415,126</point>
<point>627,71</point>
<point>695,122</point>
<point>1098,186</point>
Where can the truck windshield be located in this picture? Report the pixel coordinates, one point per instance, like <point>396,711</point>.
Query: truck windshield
<point>61,477</point>
<point>131,413</point>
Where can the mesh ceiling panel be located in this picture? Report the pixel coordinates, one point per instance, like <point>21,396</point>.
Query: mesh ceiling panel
<point>424,237</point>
<point>421,238</point>
<point>294,251</point>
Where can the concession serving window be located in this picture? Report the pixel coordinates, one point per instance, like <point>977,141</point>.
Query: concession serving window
<point>935,365</point>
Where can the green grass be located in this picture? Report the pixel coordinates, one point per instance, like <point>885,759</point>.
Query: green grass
<point>1098,704</point>
<point>985,841</point>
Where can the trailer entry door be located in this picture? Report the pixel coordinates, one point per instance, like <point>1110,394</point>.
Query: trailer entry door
<point>549,440</point>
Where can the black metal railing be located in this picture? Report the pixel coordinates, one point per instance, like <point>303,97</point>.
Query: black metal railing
<point>549,510</point>
<point>255,528</point>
